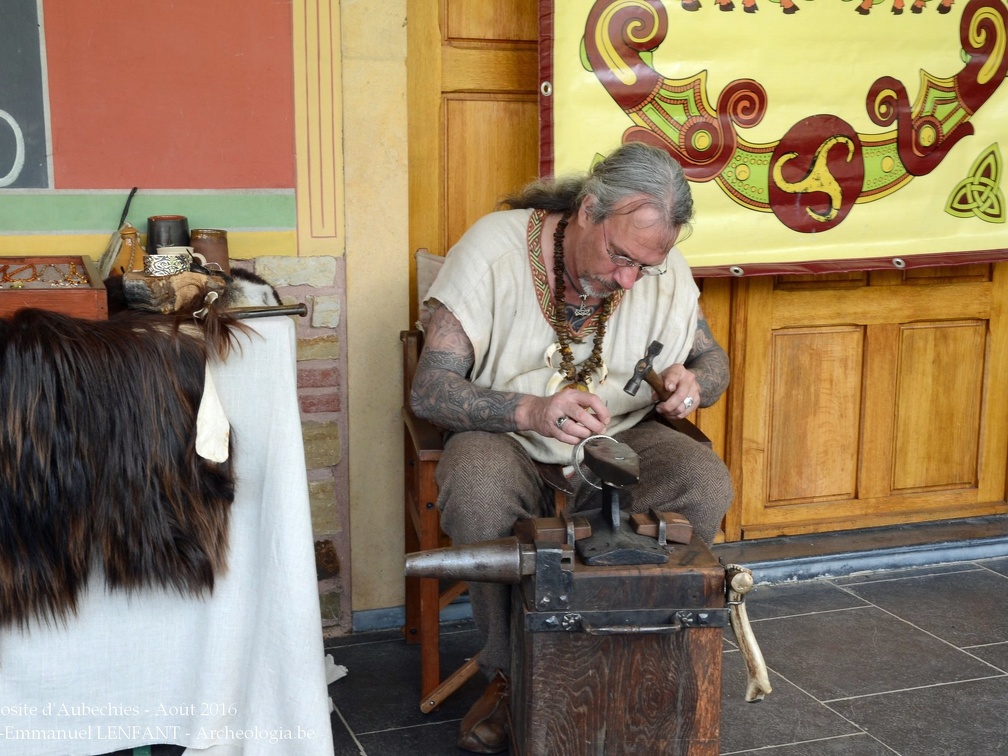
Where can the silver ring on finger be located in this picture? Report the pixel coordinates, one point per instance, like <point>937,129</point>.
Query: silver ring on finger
<point>687,402</point>
<point>561,420</point>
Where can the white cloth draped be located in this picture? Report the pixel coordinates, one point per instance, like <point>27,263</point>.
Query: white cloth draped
<point>241,671</point>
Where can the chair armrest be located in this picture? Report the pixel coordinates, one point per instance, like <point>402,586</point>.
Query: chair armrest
<point>427,438</point>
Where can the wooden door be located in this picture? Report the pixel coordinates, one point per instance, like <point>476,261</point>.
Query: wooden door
<point>872,399</point>
<point>472,73</point>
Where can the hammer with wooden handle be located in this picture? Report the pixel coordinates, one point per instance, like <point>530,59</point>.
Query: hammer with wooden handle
<point>738,582</point>
<point>644,371</point>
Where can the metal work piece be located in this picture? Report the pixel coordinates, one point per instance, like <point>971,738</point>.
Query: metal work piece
<point>502,561</point>
<point>626,621</point>
<point>612,540</point>
<point>578,455</point>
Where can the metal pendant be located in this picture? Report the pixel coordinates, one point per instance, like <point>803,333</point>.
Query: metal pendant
<point>584,310</point>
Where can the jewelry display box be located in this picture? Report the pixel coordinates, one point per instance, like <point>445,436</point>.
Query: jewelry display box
<point>69,285</point>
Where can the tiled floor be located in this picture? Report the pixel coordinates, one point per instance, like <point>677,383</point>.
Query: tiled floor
<point>898,661</point>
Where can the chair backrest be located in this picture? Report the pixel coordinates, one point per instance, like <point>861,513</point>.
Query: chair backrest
<point>427,267</point>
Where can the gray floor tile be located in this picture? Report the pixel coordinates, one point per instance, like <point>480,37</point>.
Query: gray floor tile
<point>766,601</point>
<point>787,715</point>
<point>859,651</point>
<point>998,565</point>
<point>435,739</point>
<point>955,606</point>
<point>996,654</point>
<point>344,743</point>
<point>847,745</point>
<point>381,689</point>
<point>965,718</point>
<point>908,572</point>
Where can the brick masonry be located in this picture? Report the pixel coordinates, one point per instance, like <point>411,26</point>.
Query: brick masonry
<point>320,284</point>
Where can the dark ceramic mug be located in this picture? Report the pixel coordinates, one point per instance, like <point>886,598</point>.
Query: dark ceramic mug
<point>167,231</point>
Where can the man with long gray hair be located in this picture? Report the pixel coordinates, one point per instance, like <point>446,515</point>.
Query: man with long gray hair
<point>564,291</point>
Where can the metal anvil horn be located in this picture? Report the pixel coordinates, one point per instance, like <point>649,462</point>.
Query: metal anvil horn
<point>501,561</point>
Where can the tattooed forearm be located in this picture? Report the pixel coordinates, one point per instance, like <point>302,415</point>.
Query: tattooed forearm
<point>444,396</point>
<point>709,364</point>
<point>442,392</point>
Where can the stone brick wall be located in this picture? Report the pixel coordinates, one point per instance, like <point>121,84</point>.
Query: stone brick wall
<point>320,284</point>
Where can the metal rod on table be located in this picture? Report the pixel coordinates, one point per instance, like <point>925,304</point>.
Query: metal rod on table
<point>243,313</point>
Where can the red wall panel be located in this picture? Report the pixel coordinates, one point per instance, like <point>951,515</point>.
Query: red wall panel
<point>186,94</point>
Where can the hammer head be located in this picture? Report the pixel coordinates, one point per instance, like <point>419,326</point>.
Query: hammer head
<point>644,365</point>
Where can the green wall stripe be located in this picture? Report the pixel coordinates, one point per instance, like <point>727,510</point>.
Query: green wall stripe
<point>58,213</point>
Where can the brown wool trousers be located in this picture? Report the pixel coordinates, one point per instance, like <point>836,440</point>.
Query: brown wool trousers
<point>487,482</point>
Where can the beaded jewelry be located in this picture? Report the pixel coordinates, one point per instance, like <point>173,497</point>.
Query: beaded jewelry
<point>582,377</point>
<point>13,275</point>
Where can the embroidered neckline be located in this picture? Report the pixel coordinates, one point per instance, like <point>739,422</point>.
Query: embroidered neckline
<point>544,294</point>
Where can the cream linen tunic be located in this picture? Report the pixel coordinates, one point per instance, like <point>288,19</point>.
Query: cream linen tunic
<point>493,281</point>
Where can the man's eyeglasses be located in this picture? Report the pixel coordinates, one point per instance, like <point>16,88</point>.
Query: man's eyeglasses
<point>622,261</point>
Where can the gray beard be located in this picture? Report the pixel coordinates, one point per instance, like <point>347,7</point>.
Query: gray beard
<point>593,287</point>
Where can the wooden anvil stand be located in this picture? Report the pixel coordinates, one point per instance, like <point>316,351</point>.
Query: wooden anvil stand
<point>618,659</point>
<point>616,624</point>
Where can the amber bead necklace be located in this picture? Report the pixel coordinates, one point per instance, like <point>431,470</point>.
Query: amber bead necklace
<point>581,377</point>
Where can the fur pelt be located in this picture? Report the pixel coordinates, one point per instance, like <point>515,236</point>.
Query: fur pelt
<point>98,467</point>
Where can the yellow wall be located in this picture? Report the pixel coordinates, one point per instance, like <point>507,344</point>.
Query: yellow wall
<point>374,150</point>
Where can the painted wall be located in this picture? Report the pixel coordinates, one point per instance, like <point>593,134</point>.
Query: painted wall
<point>163,94</point>
<point>192,102</point>
<point>375,122</point>
<point>249,80</point>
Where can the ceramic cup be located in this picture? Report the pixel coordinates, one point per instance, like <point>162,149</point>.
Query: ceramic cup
<point>212,243</point>
<point>166,231</point>
<point>171,261</point>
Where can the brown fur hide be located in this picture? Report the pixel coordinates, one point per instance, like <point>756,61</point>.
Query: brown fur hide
<point>98,467</point>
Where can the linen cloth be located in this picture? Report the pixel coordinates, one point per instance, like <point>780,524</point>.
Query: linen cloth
<point>238,672</point>
<point>492,280</point>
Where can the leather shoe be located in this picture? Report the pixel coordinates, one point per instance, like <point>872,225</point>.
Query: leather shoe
<point>484,728</point>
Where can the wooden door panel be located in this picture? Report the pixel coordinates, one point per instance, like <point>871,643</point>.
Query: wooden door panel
<point>491,148</point>
<point>939,390</point>
<point>871,305</point>
<point>815,407</point>
<point>902,379</point>
<point>499,20</point>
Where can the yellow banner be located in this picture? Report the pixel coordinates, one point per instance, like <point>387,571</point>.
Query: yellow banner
<point>817,134</point>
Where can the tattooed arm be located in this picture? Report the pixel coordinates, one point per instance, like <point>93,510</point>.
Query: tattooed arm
<point>443,394</point>
<point>441,390</point>
<point>708,362</point>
